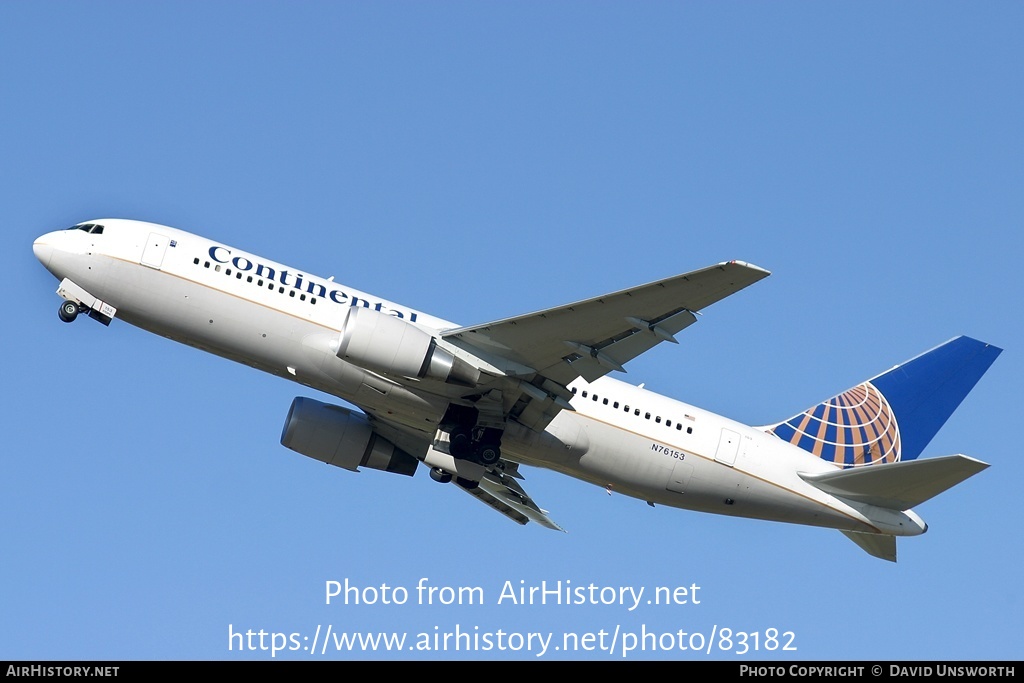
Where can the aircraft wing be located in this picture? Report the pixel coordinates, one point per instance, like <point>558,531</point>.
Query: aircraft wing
<point>553,347</point>
<point>590,338</point>
<point>503,493</point>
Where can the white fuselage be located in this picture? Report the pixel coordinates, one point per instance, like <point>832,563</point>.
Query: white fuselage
<point>283,321</point>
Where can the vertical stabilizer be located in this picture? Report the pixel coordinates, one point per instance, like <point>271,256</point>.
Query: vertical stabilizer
<point>893,416</point>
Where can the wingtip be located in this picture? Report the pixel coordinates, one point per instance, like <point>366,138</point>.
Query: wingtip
<point>746,264</point>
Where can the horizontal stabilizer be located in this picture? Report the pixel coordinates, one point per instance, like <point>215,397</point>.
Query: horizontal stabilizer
<point>899,486</point>
<point>876,545</point>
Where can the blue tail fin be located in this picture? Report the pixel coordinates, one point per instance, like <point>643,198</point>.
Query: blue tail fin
<point>893,416</point>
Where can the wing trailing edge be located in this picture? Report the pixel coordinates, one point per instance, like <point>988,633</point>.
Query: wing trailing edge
<point>503,493</point>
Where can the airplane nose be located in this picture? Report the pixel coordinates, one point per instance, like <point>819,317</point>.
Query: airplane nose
<point>43,251</point>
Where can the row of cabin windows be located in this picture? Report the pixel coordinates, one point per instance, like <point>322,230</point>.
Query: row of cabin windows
<point>271,285</point>
<point>636,412</point>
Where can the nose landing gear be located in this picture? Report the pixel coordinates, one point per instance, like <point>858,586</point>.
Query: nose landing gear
<point>68,311</point>
<point>77,300</point>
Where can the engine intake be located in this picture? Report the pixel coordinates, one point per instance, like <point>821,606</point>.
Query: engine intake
<point>383,343</point>
<point>341,437</point>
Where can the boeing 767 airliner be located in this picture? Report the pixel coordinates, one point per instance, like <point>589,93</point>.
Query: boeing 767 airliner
<point>475,403</point>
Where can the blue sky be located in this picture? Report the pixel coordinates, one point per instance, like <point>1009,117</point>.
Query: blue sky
<point>480,160</point>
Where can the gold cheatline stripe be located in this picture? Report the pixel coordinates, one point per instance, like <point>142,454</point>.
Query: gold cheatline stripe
<point>232,294</point>
<point>749,474</point>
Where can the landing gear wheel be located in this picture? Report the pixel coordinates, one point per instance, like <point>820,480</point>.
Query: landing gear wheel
<point>68,311</point>
<point>467,484</point>
<point>488,454</point>
<point>460,443</point>
<point>440,476</point>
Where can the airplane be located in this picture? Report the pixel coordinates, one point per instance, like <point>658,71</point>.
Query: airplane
<point>475,404</point>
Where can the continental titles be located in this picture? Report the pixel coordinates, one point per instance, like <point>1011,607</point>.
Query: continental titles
<point>313,286</point>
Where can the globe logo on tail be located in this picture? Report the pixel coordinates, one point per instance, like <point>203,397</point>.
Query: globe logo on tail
<point>855,428</point>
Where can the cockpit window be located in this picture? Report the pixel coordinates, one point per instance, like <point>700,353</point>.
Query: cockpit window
<point>93,228</point>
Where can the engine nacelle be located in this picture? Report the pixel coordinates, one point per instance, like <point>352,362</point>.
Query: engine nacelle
<point>383,343</point>
<point>341,437</point>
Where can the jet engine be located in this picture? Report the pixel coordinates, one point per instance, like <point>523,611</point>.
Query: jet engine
<point>383,343</point>
<point>341,437</point>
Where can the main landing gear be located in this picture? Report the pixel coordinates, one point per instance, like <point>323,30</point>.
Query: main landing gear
<point>469,442</point>
<point>485,450</point>
<point>68,311</point>
<point>466,441</point>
